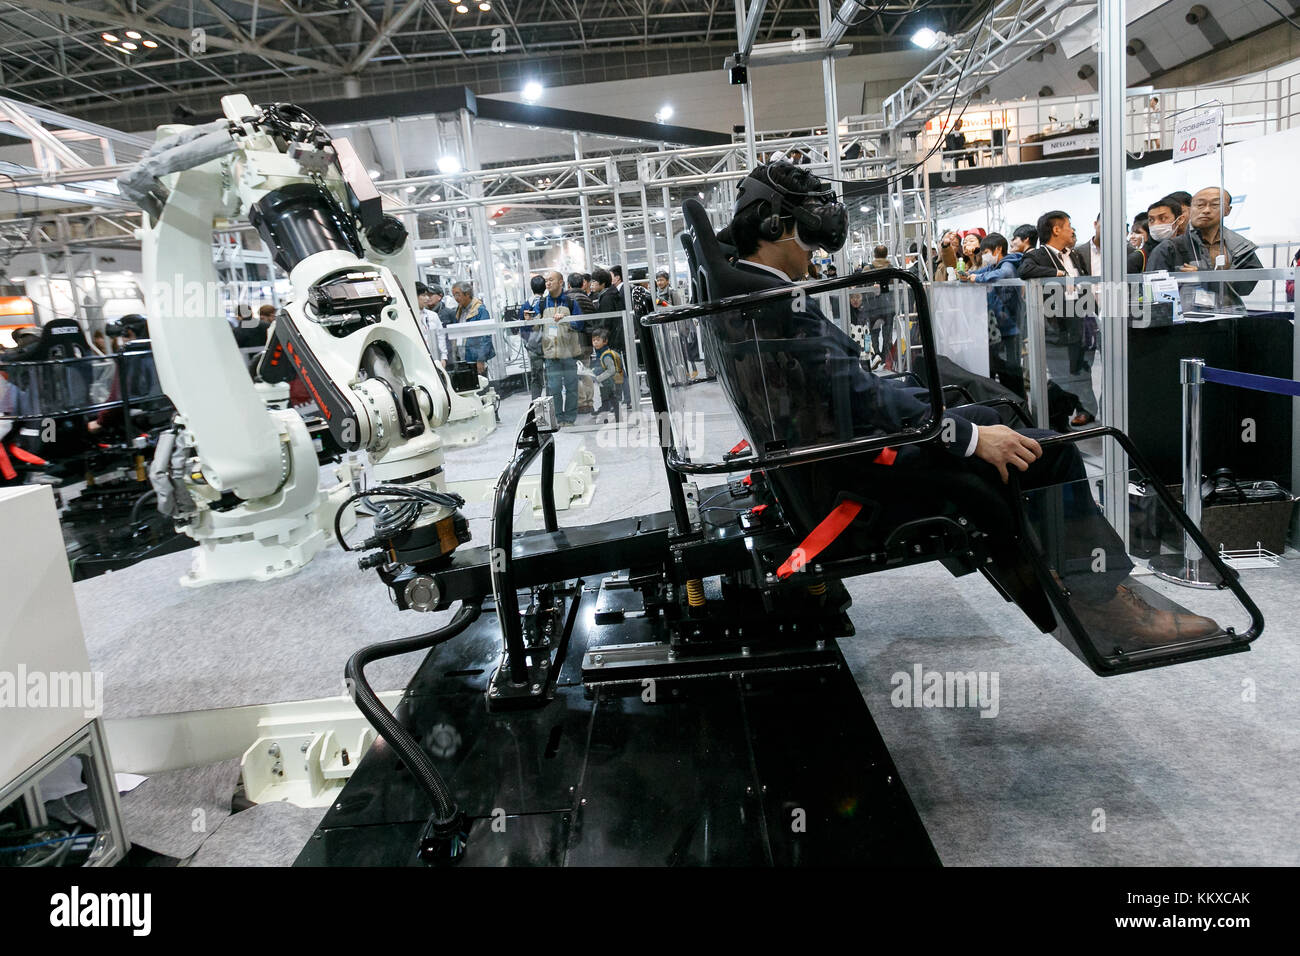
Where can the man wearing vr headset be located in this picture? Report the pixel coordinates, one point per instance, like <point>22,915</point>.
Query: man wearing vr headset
<point>784,214</point>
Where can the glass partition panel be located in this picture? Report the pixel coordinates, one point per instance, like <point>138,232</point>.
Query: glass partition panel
<point>58,387</point>
<point>1123,604</point>
<point>772,375</point>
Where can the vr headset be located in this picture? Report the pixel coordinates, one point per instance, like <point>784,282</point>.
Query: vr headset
<point>821,221</point>
<point>134,323</point>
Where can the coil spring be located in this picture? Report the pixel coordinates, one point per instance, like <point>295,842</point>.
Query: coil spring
<point>695,592</point>
<point>817,589</point>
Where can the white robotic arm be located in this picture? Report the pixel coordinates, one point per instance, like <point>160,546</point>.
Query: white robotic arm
<point>348,330</point>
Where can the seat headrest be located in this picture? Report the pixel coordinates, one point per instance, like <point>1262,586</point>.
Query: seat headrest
<point>61,338</point>
<point>714,260</point>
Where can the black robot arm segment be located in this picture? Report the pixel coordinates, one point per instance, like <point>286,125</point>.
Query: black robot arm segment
<point>300,220</point>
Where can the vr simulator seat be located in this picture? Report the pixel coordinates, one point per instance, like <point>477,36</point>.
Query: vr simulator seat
<point>788,384</point>
<point>58,377</point>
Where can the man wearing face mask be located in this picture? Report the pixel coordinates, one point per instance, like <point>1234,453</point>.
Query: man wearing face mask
<point>1204,247</point>
<point>1164,216</point>
<point>809,379</point>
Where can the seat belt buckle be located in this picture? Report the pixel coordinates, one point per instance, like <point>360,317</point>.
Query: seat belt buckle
<point>740,449</point>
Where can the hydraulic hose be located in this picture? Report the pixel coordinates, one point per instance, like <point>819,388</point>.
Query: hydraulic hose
<point>447,822</point>
<point>135,508</point>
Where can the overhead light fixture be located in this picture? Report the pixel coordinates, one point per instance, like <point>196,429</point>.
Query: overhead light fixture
<point>460,208</point>
<point>485,6</point>
<point>448,164</point>
<point>665,113</point>
<point>863,209</point>
<point>927,39</point>
<point>532,91</point>
<point>410,189</point>
<point>436,197</point>
<point>150,44</point>
<point>132,35</point>
<point>109,37</point>
<point>461,8</point>
<point>555,231</point>
<point>128,47</point>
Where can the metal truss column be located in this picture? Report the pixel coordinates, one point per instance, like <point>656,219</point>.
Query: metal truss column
<point>1113,302</point>
<point>582,202</point>
<point>747,95</point>
<point>629,327</point>
<point>832,104</point>
<point>486,283</point>
<point>670,238</point>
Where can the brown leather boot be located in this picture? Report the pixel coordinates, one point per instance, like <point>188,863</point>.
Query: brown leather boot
<point>1126,617</point>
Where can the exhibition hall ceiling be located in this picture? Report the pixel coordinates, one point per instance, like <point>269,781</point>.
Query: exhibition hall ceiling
<point>128,63</point>
<point>1165,40</point>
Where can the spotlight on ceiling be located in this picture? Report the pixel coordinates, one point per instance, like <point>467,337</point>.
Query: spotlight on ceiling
<point>129,47</point>
<point>532,91</point>
<point>448,165</point>
<point>132,35</point>
<point>485,6</point>
<point>927,39</point>
<point>665,113</point>
<point>410,189</point>
<point>109,37</point>
<point>461,8</point>
<point>555,230</point>
<point>150,44</point>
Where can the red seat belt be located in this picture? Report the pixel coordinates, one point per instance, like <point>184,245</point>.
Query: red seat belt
<point>820,538</point>
<point>27,457</point>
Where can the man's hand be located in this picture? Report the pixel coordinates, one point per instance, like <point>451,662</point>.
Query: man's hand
<point>1188,267</point>
<point>1001,446</point>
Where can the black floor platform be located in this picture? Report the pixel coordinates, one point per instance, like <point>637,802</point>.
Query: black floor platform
<point>757,763</point>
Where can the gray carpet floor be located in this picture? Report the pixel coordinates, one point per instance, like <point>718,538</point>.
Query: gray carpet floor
<point>1173,766</point>
<point>1197,764</point>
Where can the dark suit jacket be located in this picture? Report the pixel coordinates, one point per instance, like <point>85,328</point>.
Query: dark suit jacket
<point>815,364</point>
<point>611,300</point>
<point>1039,264</point>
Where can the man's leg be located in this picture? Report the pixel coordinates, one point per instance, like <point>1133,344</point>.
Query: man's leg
<point>1089,552</point>
<point>570,371</point>
<point>1057,482</point>
<point>555,386</point>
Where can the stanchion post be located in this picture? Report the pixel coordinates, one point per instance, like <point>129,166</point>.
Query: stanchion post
<point>1191,377</point>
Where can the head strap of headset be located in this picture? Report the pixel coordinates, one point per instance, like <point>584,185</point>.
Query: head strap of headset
<point>820,217</point>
